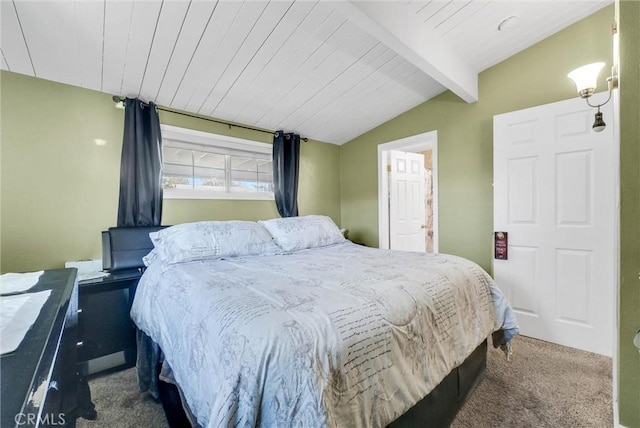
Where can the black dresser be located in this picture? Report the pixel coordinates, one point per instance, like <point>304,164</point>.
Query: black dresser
<point>41,385</point>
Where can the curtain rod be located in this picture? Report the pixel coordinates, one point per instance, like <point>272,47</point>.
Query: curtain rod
<point>118,99</point>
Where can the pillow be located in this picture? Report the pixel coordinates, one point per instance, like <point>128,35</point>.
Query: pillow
<point>210,240</point>
<point>300,233</point>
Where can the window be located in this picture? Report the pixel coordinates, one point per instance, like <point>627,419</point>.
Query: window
<point>199,165</point>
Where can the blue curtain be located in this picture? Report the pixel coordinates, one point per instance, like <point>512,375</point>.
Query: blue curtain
<point>286,166</point>
<point>141,166</point>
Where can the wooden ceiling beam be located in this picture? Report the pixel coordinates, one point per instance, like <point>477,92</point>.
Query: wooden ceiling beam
<point>406,34</point>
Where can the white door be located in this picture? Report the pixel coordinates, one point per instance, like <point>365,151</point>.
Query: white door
<point>555,193</point>
<point>407,210</point>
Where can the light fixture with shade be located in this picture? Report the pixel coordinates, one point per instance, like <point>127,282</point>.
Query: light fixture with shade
<point>586,80</point>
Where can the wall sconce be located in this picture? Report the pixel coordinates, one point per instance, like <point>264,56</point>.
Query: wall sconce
<point>586,80</point>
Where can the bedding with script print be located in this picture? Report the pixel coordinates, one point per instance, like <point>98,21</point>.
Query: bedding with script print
<point>336,336</point>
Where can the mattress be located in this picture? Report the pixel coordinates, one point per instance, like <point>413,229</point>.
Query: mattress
<point>342,335</point>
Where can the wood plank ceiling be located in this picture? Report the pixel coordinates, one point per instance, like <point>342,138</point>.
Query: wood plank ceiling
<point>327,70</point>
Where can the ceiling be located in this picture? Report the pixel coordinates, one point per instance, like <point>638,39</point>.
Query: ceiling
<point>328,70</point>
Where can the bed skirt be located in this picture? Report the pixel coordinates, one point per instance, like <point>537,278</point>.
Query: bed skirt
<point>437,409</point>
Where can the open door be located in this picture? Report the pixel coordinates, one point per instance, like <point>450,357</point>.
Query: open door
<point>407,210</point>
<point>420,143</point>
<point>555,195</point>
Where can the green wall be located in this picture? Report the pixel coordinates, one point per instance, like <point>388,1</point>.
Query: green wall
<point>628,18</point>
<point>465,134</point>
<point>59,189</point>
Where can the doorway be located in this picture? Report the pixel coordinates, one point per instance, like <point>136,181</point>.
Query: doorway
<point>426,145</point>
<point>555,187</point>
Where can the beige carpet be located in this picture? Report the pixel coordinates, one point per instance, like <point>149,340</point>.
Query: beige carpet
<point>120,404</point>
<point>545,385</point>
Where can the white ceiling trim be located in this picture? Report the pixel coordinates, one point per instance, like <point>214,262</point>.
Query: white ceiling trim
<point>404,32</point>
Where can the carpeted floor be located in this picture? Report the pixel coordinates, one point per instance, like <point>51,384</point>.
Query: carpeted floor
<point>120,404</point>
<point>544,385</point>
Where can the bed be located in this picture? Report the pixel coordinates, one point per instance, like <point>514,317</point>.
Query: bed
<point>286,323</point>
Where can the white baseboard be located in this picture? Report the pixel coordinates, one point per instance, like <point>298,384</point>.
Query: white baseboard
<point>616,416</point>
<point>616,420</point>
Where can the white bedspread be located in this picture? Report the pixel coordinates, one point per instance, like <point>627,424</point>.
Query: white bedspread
<point>335,336</point>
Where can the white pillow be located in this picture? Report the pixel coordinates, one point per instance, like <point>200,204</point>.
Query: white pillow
<point>210,240</point>
<point>299,233</point>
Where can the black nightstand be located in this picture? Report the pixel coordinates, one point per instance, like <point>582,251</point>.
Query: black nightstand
<point>105,328</point>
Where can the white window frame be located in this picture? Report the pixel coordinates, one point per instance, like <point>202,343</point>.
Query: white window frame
<point>192,136</point>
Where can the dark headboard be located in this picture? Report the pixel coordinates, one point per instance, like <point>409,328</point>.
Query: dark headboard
<point>124,247</point>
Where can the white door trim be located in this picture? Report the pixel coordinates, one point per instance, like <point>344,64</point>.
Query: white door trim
<point>615,99</point>
<point>414,143</point>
